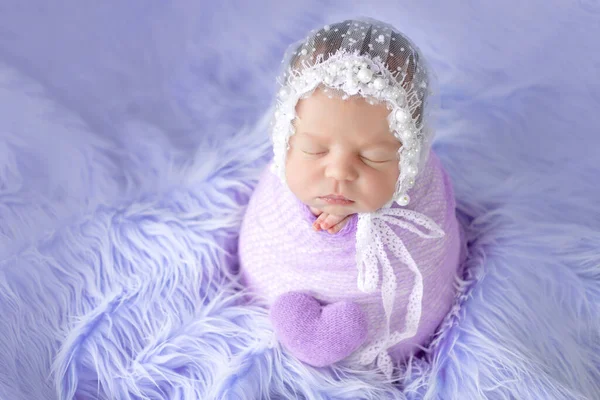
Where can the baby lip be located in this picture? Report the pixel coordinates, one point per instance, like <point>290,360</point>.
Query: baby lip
<point>335,197</point>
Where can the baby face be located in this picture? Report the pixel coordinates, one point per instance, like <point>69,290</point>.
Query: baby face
<point>343,159</point>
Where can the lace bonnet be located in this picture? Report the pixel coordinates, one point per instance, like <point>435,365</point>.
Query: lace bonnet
<point>372,59</point>
<point>363,57</point>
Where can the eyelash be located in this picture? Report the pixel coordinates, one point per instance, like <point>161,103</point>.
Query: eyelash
<point>362,158</point>
<point>373,161</point>
<point>314,154</point>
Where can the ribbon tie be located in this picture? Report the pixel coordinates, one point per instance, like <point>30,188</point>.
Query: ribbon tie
<point>373,237</point>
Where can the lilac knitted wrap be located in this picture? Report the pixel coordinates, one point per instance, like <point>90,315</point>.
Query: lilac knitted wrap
<point>280,252</point>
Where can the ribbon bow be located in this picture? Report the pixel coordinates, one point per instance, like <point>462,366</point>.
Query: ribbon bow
<point>373,237</point>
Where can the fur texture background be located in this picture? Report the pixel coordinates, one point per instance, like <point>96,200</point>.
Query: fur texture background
<point>131,135</point>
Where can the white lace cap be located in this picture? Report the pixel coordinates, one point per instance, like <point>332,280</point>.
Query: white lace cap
<point>361,57</point>
<point>372,59</point>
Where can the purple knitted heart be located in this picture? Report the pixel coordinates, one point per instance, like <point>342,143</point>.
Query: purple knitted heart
<point>318,335</point>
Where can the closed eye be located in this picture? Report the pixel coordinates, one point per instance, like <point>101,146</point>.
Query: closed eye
<point>314,154</point>
<point>375,161</point>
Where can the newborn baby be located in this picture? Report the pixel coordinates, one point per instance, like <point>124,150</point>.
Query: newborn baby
<point>351,235</point>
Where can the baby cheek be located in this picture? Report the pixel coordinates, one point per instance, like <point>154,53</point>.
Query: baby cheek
<point>299,176</point>
<point>379,189</point>
<point>292,171</point>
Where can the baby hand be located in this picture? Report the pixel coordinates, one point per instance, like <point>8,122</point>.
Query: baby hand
<point>329,222</point>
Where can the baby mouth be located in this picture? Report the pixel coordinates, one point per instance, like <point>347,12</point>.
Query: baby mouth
<point>336,199</point>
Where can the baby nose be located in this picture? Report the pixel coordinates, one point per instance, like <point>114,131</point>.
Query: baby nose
<point>341,169</point>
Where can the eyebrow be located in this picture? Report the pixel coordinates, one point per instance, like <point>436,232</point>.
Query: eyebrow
<point>384,143</point>
<point>381,143</point>
<point>312,135</point>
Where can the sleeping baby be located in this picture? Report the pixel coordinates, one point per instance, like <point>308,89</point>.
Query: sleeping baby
<point>351,235</point>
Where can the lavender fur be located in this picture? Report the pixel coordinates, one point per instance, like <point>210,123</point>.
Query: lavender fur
<point>125,167</point>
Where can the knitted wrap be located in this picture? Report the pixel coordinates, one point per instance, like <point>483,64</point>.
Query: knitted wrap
<point>280,252</point>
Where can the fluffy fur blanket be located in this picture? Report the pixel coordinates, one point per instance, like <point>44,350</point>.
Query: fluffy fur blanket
<point>131,138</point>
